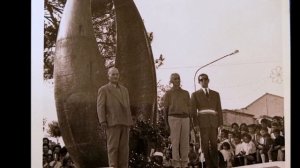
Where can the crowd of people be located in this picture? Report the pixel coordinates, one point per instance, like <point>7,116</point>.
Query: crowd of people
<point>55,156</point>
<point>238,145</point>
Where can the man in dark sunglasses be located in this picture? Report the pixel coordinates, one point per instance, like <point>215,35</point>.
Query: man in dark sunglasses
<point>207,117</point>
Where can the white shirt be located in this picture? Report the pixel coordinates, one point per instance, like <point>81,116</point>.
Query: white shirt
<point>227,155</point>
<point>261,140</point>
<point>238,148</point>
<point>273,136</point>
<point>204,89</point>
<point>249,148</point>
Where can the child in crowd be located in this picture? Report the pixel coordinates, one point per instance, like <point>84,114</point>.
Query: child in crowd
<point>257,134</point>
<point>251,129</point>
<point>193,157</point>
<point>277,149</point>
<point>248,150</point>
<point>264,144</point>
<point>276,119</point>
<point>167,162</point>
<point>274,126</point>
<point>256,139</point>
<point>235,128</point>
<point>157,157</point>
<point>227,154</point>
<point>244,130</point>
<point>238,157</point>
<point>265,124</point>
<point>243,127</point>
<point>223,138</point>
<point>45,161</point>
<point>231,140</point>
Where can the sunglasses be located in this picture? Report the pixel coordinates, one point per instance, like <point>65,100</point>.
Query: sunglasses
<point>203,79</point>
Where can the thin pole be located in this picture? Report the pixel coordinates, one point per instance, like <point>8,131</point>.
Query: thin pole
<point>236,51</point>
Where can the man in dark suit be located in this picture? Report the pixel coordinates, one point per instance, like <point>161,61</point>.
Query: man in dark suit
<point>114,115</point>
<point>207,116</point>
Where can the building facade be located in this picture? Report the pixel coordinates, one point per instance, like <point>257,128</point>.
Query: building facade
<point>266,105</point>
<point>234,116</point>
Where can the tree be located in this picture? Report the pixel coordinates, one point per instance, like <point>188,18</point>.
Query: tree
<point>53,11</point>
<point>161,90</point>
<point>143,137</point>
<point>54,130</point>
<point>103,19</point>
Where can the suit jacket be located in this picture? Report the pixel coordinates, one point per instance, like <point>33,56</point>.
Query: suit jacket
<point>199,101</point>
<point>113,107</point>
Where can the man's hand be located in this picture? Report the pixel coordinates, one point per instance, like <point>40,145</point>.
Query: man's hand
<point>104,125</point>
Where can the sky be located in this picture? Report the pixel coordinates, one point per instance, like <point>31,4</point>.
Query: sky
<point>190,34</point>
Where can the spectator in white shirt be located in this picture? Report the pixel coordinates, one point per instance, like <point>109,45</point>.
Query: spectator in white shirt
<point>227,154</point>
<point>248,150</point>
<point>238,157</point>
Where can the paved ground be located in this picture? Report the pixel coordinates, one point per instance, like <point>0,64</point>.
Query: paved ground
<point>276,164</point>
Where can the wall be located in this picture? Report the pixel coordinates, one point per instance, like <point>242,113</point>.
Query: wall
<point>230,117</point>
<point>269,105</point>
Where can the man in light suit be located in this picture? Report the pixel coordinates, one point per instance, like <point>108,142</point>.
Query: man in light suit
<point>114,115</point>
<point>207,116</point>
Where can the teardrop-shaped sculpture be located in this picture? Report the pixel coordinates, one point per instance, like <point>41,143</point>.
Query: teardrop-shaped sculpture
<point>78,73</point>
<point>135,60</point>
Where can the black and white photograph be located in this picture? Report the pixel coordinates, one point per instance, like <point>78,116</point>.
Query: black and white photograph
<point>160,84</point>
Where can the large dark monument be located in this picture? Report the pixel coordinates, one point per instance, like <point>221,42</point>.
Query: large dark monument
<point>79,71</point>
<point>135,60</point>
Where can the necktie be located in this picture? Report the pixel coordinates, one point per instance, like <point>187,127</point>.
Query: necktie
<point>206,92</point>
